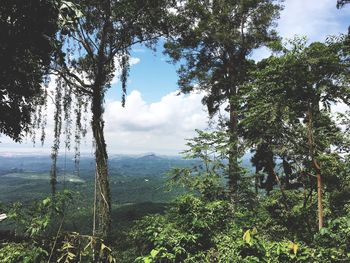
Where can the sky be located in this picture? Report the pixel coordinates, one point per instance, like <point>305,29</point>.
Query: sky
<point>156,119</point>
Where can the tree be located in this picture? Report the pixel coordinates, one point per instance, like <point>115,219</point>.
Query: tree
<point>341,3</point>
<point>99,38</point>
<point>27,33</point>
<point>214,41</point>
<point>296,90</point>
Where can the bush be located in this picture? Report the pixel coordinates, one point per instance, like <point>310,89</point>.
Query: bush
<point>21,252</point>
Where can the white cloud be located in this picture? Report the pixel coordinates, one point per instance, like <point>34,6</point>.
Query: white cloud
<point>134,61</point>
<point>312,18</point>
<point>339,107</point>
<point>158,127</point>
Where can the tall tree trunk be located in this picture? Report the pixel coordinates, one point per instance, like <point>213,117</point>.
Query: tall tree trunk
<point>271,179</point>
<point>319,197</point>
<point>233,152</point>
<point>316,166</point>
<point>103,197</point>
<point>103,191</point>
<point>287,171</point>
<point>236,73</point>
<point>256,181</point>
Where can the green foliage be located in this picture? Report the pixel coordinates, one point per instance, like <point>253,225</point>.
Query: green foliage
<point>187,229</point>
<point>194,230</point>
<point>215,39</point>
<point>42,224</point>
<point>279,227</point>
<point>27,34</point>
<point>207,176</point>
<point>81,248</point>
<point>72,247</point>
<point>334,239</point>
<point>197,231</point>
<point>22,252</point>
<point>287,216</point>
<point>35,219</point>
<point>288,92</point>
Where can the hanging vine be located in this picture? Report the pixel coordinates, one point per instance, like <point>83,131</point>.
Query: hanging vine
<point>125,68</point>
<point>44,118</point>
<point>80,112</point>
<point>39,114</point>
<point>67,104</point>
<point>57,133</point>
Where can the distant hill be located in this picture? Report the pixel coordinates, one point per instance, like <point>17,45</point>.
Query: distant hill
<point>124,165</point>
<point>133,178</point>
<point>146,165</point>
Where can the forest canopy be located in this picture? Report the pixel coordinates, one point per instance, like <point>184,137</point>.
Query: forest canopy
<point>290,204</point>
<point>28,31</point>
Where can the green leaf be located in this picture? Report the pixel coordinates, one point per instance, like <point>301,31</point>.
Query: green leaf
<point>324,231</point>
<point>247,237</point>
<point>110,259</point>
<point>293,247</point>
<point>46,201</point>
<point>104,247</point>
<point>254,231</point>
<point>154,253</point>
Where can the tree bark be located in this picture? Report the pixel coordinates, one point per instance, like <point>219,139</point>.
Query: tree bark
<point>319,200</point>
<point>101,157</point>
<point>315,165</point>
<point>103,197</point>
<point>233,152</point>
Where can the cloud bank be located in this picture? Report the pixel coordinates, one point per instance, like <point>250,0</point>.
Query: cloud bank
<point>158,127</point>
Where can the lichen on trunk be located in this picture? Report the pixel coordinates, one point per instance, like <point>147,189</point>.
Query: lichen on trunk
<point>102,181</point>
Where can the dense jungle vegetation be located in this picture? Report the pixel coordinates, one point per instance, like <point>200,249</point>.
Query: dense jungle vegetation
<point>290,205</point>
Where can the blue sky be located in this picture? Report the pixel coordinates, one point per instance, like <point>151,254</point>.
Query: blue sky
<point>155,119</point>
<point>151,75</point>
<point>154,77</point>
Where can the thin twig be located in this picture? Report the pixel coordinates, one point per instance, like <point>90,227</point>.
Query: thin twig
<point>56,238</point>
